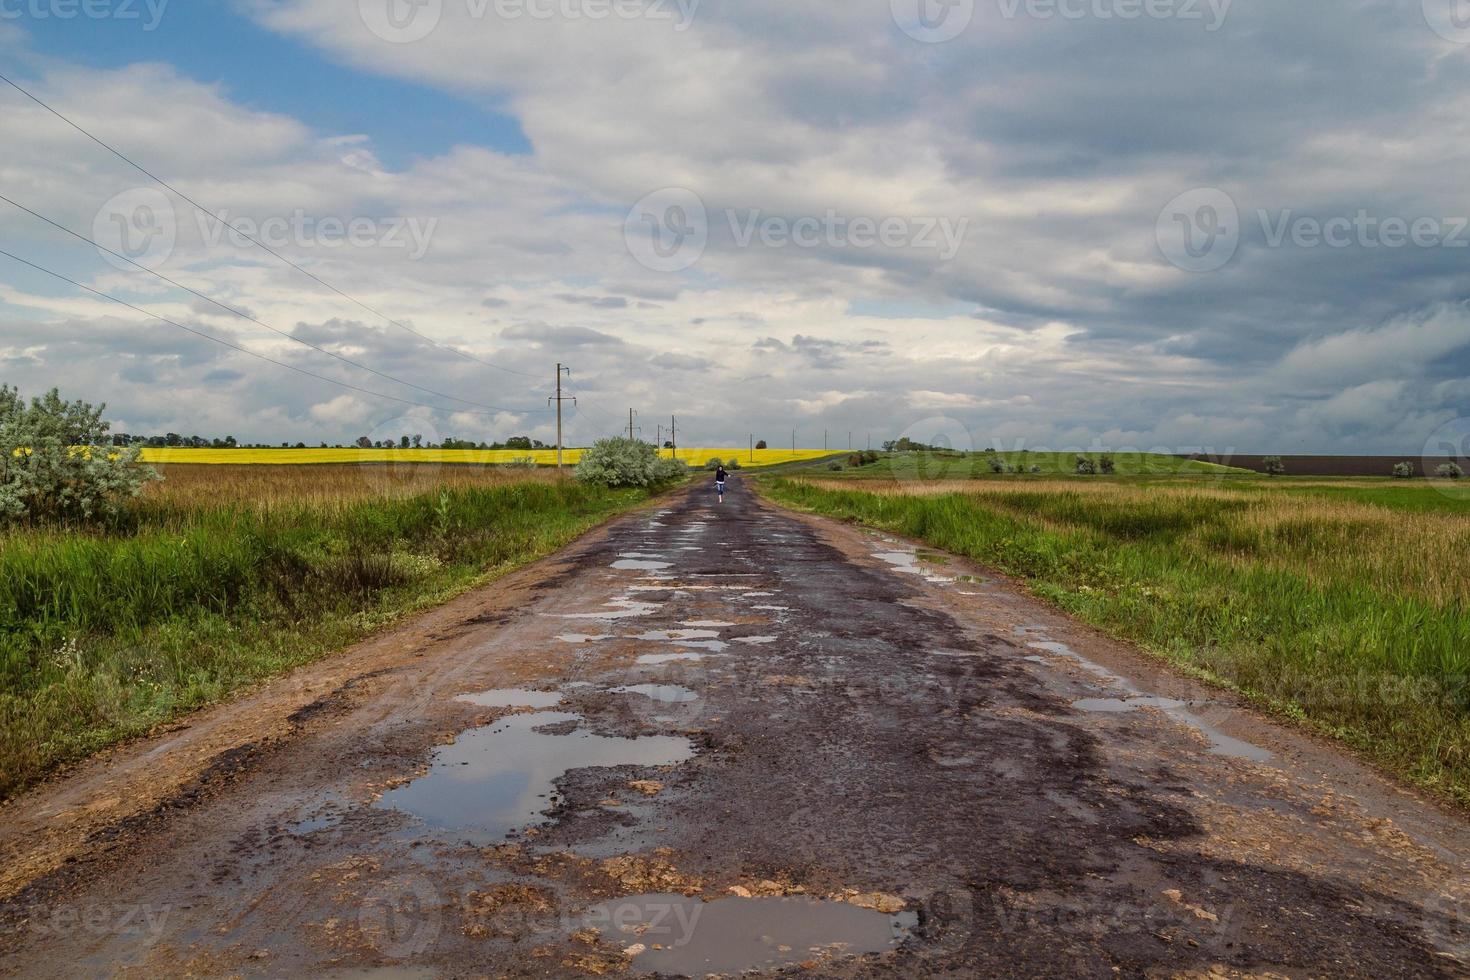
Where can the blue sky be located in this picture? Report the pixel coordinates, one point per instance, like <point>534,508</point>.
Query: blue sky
<point>1019,228</point>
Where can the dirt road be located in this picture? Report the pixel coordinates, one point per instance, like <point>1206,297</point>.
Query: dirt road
<point>719,738</point>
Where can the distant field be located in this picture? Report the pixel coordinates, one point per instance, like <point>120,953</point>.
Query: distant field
<point>482,457</point>
<point>1342,604</point>
<point>962,466</point>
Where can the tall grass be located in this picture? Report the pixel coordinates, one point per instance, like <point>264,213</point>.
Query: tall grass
<point>209,585</point>
<point>1351,616</point>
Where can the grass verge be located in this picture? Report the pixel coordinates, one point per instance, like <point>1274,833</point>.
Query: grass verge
<point>106,635</point>
<point>1347,615</point>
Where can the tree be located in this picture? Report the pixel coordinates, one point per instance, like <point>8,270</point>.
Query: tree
<point>518,442</point>
<point>759,445</point>
<point>1449,471</point>
<point>1273,466</point>
<point>1403,471</point>
<point>56,464</point>
<point>403,442</point>
<point>1106,464</point>
<point>1085,466</point>
<point>363,442</point>
<point>418,441</point>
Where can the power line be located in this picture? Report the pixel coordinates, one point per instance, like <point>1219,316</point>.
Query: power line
<point>243,350</point>
<point>229,309</point>
<point>203,210</point>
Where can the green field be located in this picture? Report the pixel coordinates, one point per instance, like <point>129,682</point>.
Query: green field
<point>216,579</point>
<point>964,466</point>
<point>1342,604</point>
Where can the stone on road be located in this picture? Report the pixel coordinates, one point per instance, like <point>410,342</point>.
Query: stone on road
<point>717,738</point>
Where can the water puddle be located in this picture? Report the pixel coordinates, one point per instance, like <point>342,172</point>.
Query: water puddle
<point>679,635</point>
<point>656,659</point>
<point>667,693</point>
<point>1220,743</point>
<point>641,564</point>
<point>496,779</point>
<point>707,624</point>
<point>512,698</point>
<point>909,562</point>
<point>624,609</point>
<point>678,935</point>
<point>755,640</point>
<point>322,821</point>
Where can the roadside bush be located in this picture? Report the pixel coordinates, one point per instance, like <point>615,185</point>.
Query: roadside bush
<point>1106,464</point>
<point>996,464</point>
<point>1273,466</point>
<point>834,467</point>
<point>855,460</point>
<point>1085,466</point>
<point>734,464</point>
<point>623,462</point>
<point>714,463</point>
<point>1449,471</point>
<point>1403,471</point>
<point>54,466</point>
<point>1035,468</point>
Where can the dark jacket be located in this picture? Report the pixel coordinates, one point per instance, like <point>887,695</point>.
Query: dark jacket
<point>721,476</point>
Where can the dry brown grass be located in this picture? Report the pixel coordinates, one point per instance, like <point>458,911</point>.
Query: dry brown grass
<point>268,487</point>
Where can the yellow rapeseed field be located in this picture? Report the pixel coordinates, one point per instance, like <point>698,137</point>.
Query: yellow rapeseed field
<point>543,457</point>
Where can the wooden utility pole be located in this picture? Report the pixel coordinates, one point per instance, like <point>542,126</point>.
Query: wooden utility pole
<point>559,399</point>
<point>674,436</point>
<point>752,447</point>
<point>631,413</point>
<point>824,440</point>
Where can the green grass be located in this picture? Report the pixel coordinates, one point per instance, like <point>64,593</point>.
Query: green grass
<point>108,635</point>
<point>976,465</point>
<point>1333,609</point>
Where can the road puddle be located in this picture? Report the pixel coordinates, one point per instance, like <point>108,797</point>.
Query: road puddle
<point>656,659</point>
<point>707,624</point>
<point>1134,699</point>
<point>677,935</point>
<point>679,635</point>
<point>581,638</point>
<point>755,640</point>
<point>622,609</point>
<point>496,779</point>
<point>667,693</point>
<point>641,565</point>
<point>512,698</point>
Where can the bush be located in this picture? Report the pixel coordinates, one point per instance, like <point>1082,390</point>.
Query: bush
<point>1035,468</point>
<point>996,464</point>
<point>714,463</point>
<point>734,464</point>
<point>623,462</point>
<point>54,465</point>
<point>1085,466</point>
<point>1449,471</point>
<point>834,467</point>
<point>521,463</point>
<point>761,444</point>
<point>1273,466</point>
<point>1403,471</point>
<point>870,455</point>
<point>1106,464</point>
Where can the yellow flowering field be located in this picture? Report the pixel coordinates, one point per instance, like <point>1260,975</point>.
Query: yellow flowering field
<point>543,457</point>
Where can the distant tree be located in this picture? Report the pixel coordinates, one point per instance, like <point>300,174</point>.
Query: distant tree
<point>759,445</point>
<point>403,442</point>
<point>363,442</point>
<point>1403,471</point>
<point>173,439</point>
<point>1273,466</point>
<point>418,441</point>
<point>1449,471</point>
<point>518,442</point>
<point>1085,466</point>
<point>1106,464</point>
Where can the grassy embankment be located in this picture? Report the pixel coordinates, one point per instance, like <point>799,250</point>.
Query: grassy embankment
<point>1345,605</point>
<point>220,576</point>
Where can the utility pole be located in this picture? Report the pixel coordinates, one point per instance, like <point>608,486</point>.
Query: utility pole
<point>849,440</point>
<point>631,413</point>
<point>752,447</point>
<point>674,436</point>
<point>793,440</point>
<point>559,399</point>
<point>824,440</point>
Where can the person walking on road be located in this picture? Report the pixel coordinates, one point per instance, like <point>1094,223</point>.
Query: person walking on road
<point>720,477</point>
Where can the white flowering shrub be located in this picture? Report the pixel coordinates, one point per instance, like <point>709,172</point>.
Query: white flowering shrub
<point>55,464</point>
<point>627,463</point>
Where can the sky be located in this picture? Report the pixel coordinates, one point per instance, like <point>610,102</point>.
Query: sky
<point>1177,225</point>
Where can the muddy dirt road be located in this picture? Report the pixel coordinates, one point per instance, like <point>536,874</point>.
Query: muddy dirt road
<point>711,739</point>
